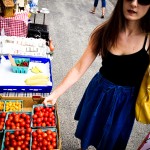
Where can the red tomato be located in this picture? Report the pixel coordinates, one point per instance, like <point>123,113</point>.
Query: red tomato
<point>27,126</point>
<point>7,143</point>
<point>23,137</point>
<point>54,144</point>
<point>23,115</point>
<point>19,138</point>
<point>19,143</point>
<point>26,143</point>
<point>54,134</point>
<point>33,146</point>
<point>38,120</point>
<point>11,148</point>
<point>28,121</point>
<point>50,147</point>
<point>44,134</point>
<point>49,132</point>
<point>50,110</point>
<point>12,136</point>
<point>43,124</point>
<point>3,114</point>
<point>53,108</point>
<point>40,115</point>
<point>34,134</point>
<point>35,142</point>
<point>23,146</point>
<point>44,142</point>
<point>27,138</point>
<point>22,132</point>
<point>1,127</point>
<point>45,119</point>
<point>14,143</point>
<point>27,135</point>
<point>8,123</point>
<point>16,133</point>
<point>37,109</point>
<point>28,117</point>
<point>34,116</point>
<point>22,124</point>
<point>7,133</point>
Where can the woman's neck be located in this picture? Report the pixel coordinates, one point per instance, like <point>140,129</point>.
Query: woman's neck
<point>132,28</point>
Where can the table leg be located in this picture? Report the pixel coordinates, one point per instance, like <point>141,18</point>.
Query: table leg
<point>34,18</point>
<point>44,19</point>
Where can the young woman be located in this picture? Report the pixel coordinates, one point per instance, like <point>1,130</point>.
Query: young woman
<point>106,112</point>
<point>103,7</point>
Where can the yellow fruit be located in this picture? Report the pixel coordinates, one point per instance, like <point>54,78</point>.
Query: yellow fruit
<point>39,79</point>
<point>1,106</point>
<point>36,70</point>
<point>13,106</point>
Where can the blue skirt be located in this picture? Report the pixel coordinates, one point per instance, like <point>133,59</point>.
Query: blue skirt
<point>105,115</point>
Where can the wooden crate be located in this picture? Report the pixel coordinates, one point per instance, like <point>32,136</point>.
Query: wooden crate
<point>7,8</point>
<point>28,101</point>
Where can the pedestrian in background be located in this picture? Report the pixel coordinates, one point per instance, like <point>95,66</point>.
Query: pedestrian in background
<point>106,112</point>
<point>103,5</point>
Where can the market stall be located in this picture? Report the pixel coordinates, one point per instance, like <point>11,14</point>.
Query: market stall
<point>15,26</point>
<point>22,101</point>
<point>25,80</point>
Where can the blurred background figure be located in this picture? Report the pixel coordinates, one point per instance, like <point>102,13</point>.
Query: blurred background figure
<point>103,7</point>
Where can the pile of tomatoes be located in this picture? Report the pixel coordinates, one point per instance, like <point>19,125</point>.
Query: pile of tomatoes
<point>2,120</point>
<point>19,134</point>
<point>18,139</point>
<point>24,64</point>
<point>18,121</point>
<point>44,117</point>
<point>45,140</point>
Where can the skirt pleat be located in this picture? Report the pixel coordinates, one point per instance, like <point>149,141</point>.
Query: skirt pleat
<point>105,115</point>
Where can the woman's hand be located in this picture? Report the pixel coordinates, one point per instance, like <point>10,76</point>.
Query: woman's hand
<point>49,100</point>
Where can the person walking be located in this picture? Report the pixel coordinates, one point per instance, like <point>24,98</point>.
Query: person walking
<point>103,7</point>
<point>106,112</point>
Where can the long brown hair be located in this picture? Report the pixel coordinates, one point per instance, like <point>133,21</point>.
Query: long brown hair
<point>105,36</point>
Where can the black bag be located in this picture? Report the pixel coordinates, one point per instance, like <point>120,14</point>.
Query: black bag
<point>38,30</point>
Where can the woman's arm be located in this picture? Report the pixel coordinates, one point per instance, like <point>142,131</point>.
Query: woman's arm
<point>73,75</point>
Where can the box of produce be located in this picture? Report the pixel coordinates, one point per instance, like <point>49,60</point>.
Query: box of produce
<point>2,121</point>
<point>2,105</point>
<point>16,139</point>
<point>43,116</point>
<point>44,139</point>
<point>13,105</point>
<point>22,65</point>
<point>18,120</point>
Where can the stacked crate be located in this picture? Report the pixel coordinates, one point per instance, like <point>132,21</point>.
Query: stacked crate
<point>37,127</point>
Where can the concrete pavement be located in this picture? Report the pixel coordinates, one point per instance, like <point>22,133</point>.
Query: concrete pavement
<point>70,25</point>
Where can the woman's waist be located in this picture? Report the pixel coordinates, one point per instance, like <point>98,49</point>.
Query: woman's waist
<point>121,78</point>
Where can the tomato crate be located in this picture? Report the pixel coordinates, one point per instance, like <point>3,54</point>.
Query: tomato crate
<point>43,116</point>
<point>13,105</point>
<point>47,137</point>
<point>29,101</point>
<point>2,105</point>
<point>17,120</point>
<point>2,121</point>
<point>17,137</point>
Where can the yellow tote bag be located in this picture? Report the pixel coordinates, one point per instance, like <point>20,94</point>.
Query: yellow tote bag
<point>142,107</point>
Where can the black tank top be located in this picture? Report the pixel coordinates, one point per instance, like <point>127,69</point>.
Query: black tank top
<point>125,70</point>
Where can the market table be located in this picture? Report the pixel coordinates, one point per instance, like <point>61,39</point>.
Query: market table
<point>15,26</point>
<point>29,100</point>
